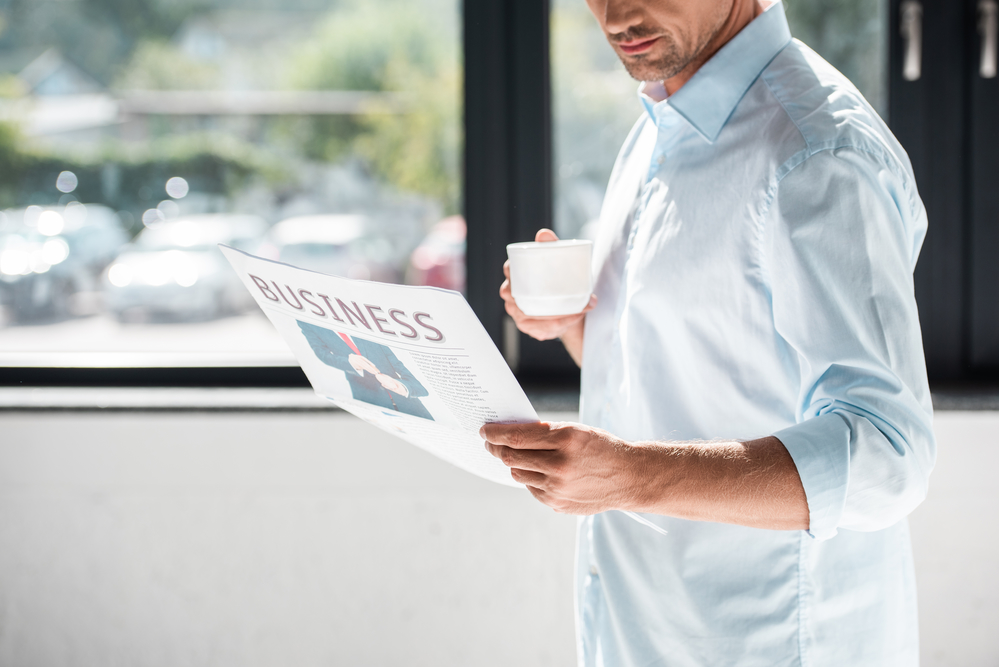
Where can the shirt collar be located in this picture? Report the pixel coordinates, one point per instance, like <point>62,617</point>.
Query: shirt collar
<point>709,98</point>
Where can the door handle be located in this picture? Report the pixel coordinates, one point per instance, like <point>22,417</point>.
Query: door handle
<point>911,28</point>
<point>987,10</point>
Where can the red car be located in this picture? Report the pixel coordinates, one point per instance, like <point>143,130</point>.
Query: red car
<point>439,260</point>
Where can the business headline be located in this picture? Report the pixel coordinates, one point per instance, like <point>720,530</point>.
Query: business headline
<point>386,321</point>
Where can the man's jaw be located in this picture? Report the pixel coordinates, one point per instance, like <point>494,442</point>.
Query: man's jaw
<point>650,58</point>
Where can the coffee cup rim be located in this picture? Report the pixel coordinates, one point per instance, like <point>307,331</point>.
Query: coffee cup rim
<point>561,243</point>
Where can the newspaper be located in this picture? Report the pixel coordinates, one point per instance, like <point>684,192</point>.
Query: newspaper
<point>413,361</point>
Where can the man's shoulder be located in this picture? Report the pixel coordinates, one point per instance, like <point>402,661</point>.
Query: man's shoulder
<point>826,110</point>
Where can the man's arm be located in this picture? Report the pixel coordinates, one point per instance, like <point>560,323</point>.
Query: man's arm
<point>577,469</point>
<point>839,246</point>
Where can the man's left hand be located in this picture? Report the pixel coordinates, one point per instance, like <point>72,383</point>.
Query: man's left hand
<point>572,468</point>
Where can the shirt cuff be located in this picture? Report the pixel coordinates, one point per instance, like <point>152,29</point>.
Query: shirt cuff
<point>820,448</point>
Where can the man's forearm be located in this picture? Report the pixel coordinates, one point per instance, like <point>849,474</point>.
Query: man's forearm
<point>751,483</point>
<point>579,469</point>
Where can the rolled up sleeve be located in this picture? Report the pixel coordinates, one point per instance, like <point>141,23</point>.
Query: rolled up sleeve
<point>840,243</point>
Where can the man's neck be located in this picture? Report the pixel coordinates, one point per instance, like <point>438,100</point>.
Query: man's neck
<point>743,12</point>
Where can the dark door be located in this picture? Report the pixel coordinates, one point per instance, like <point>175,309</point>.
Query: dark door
<point>983,188</point>
<point>944,108</point>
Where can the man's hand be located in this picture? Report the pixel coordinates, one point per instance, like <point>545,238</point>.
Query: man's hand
<point>362,364</point>
<point>392,384</point>
<point>568,327</point>
<point>574,469</point>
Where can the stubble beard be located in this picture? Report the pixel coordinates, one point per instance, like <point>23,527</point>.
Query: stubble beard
<point>665,66</point>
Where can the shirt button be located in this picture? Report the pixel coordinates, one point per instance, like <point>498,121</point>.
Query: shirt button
<point>593,570</point>
<point>661,159</point>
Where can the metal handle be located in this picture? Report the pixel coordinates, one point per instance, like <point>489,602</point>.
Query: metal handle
<point>987,11</point>
<point>911,27</point>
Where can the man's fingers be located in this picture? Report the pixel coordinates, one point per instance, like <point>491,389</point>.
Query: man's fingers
<point>506,269</point>
<point>542,328</point>
<point>553,322</point>
<point>539,435</point>
<point>537,460</point>
<point>544,235</point>
<point>537,493</point>
<point>528,477</point>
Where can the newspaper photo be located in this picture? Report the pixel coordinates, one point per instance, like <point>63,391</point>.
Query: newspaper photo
<point>413,361</point>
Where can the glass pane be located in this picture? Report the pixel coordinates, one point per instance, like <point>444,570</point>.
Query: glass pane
<point>595,101</point>
<point>853,36</point>
<point>134,136</point>
<point>594,106</point>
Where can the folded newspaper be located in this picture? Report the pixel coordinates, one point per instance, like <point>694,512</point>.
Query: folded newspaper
<point>413,361</point>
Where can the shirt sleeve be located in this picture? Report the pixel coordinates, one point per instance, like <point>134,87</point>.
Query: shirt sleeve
<point>840,244</point>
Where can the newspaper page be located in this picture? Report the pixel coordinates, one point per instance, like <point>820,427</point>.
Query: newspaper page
<point>413,361</point>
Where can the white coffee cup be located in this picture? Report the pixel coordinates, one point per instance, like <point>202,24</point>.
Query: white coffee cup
<point>551,277</point>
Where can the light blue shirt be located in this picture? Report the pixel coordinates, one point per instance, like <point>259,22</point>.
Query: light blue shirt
<point>754,273</point>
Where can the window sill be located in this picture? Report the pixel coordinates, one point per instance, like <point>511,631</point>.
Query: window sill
<point>214,399</point>
<point>158,399</point>
<point>294,399</point>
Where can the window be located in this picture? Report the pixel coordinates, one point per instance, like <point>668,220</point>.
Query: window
<point>136,135</point>
<point>120,117</point>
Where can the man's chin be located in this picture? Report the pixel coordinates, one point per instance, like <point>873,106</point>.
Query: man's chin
<point>646,70</point>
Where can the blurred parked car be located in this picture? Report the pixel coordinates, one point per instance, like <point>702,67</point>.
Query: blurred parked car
<point>50,254</point>
<point>340,245</point>
<point>439,260</point>
<point>174,270</point>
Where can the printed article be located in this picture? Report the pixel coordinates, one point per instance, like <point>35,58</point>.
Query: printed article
<point>413,361</point>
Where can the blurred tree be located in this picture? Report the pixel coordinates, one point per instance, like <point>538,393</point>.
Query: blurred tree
<point>407,46</point>
<point>11,86</point>
<point>130,177</point>
<point>390,46</point>
<point>419,151</point>
<point>160,65</point>
<point>12,163</point>
<point>142,19</point>
<point>353,47</point>
<point>97,35</point>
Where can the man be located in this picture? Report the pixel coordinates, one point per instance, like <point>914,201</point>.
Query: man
<point>752,370</point>
<point>375,374</point>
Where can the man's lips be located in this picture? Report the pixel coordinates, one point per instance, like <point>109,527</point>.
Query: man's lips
<point>637,45</point>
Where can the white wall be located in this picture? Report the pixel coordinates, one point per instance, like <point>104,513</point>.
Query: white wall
<point>304,539</point>
<point>955,535</point>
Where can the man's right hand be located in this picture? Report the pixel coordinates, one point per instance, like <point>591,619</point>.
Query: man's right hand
<point>567,327</point>
<point>362,364</point>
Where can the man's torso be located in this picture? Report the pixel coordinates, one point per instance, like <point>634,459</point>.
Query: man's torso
<point>683,346</point>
